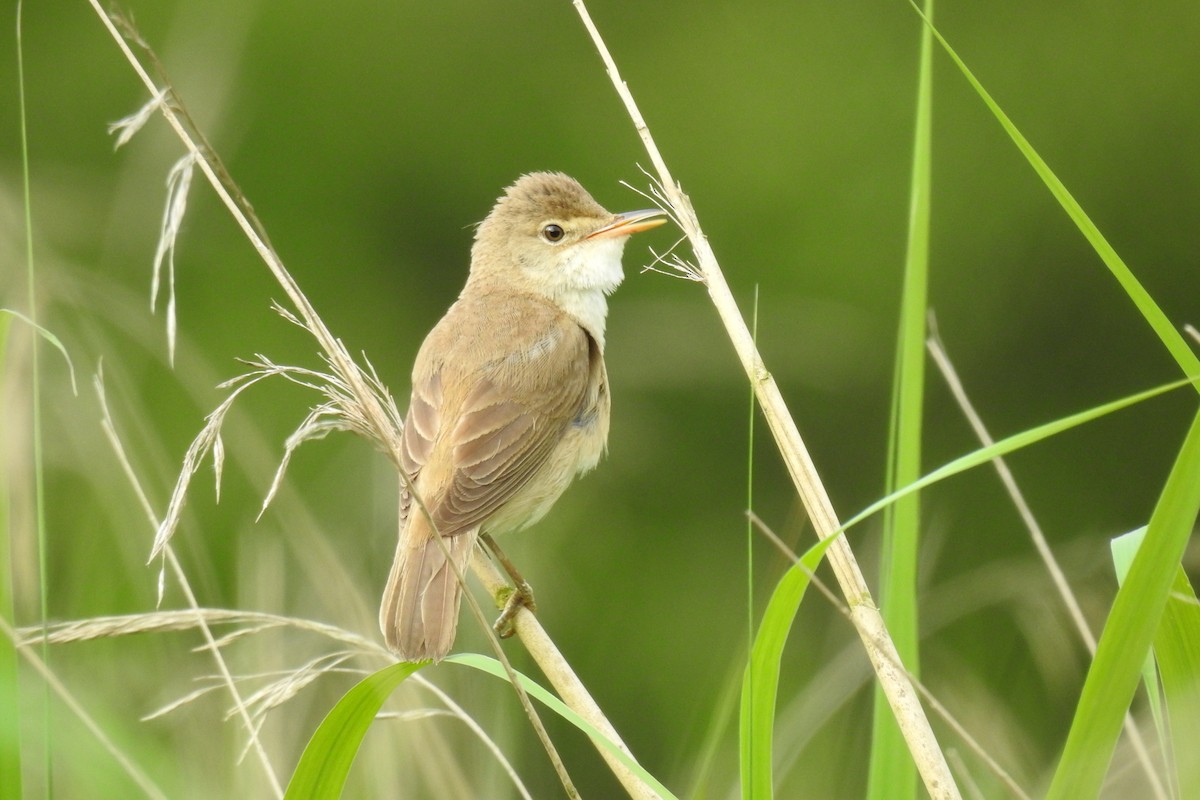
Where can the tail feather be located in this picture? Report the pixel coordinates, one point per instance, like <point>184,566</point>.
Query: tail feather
<point>419,614</point>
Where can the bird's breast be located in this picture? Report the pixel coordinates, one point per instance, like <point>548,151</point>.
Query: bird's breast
<point>578,451</point>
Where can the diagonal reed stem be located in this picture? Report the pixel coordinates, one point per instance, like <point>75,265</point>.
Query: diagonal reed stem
<point>377,421</point>
<point>901,694</point>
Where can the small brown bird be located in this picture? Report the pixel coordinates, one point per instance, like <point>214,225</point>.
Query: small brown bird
<point>510,395</point>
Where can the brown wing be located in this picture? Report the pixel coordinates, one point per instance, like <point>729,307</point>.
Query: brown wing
<point>488,409</point>
<point>421,426</point>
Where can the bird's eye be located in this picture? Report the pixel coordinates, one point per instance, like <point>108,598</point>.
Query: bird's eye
<point>553,233</point>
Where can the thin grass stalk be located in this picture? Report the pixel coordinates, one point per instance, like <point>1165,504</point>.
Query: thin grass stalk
<point>892,774</point>
<point>749,755</point>
<point>51,682</point>
<point>752,749</point>
<point>1079,765</point>
<point>940,710</point>
<point>906,706</point>
<point>1159,322</point>
<point>456,711</point>
<point>110,432</point>
<point>288,681</point>
<point>234,202</point>
<point>942,359</point>
<point>563,678</point>
<point>10,705</point>
<point>35,383</point>
<point>10,712</point>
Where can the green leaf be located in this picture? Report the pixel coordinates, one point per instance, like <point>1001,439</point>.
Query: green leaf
<point>1007,445</point>
<point>1176,663</point>
<point>892,773</point>
<point>1124,549</point>
<point>760,683</point>
<point>1170,336</point>
<point>325,763</point>
<point>1177,653</point>
<point>1129,631</point>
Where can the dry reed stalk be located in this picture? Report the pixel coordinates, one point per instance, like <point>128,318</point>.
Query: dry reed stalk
<point>901,695</point>
<point>353,392</point>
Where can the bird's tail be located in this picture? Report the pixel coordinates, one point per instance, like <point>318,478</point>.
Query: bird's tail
<point>419,613</point>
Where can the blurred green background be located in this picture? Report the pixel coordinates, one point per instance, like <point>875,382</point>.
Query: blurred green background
<point>370,137</point>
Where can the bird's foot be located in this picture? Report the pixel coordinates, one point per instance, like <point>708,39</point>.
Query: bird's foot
<point>519,597</point>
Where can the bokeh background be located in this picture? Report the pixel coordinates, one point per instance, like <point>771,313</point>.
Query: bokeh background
<point>370,137</point>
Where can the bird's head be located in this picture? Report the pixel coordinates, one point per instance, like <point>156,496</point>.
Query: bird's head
<point>547,235</point>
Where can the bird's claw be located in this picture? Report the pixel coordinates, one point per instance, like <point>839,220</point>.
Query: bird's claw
<point>518,598</point>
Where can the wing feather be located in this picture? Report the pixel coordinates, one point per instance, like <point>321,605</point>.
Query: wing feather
<point>480,434</point>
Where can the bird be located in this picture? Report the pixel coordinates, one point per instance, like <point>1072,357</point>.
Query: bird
<point>510,397</point>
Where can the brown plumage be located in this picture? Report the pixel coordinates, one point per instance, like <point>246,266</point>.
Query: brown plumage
<point>510,395</point>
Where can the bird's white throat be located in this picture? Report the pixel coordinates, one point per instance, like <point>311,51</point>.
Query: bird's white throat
<point>588,273</point>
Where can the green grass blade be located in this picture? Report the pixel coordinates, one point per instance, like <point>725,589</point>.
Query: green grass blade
<point>748,751</point>
<point>1124,550</point>
<point>51,339</point>
<point>1130,630</point>
<point>1108,690</point>
<point>493,667</point>
<point>35,383</point>
<point>1171,338</point>
<point>1177,653</point>
<point>1176,663</point>
<point>708,776</point>
<point>1010,444</point>
<point>10,730</point>
<point>10,716</point>
<point>892,773</point>
<point>325,763</point>
<point>760,683</point>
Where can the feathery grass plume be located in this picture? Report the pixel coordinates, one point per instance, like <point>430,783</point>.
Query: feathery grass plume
<point>227,680</point>
<point>284,685</point>
<point>368,413</point>
<point>127,127</point>
<point>179,181</point>
<point>194,457</point>
<point>672,264</point>
<point>341,411</point>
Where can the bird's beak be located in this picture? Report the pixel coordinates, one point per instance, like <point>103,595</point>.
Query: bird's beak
<point>630,222</point>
